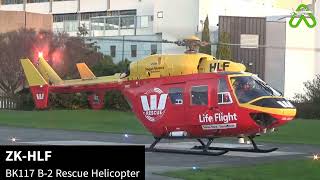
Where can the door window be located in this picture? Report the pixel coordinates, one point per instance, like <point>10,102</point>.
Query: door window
<point>176,95</point>
<point>199,95</point>
<point>224,96</point>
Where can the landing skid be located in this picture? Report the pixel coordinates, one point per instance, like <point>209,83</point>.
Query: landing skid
<point>255,148</point>
<point>174,151</point>
<point>239,149</point>
<point>206,150</point>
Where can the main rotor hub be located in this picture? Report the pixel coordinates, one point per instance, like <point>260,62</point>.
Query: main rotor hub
<point>193,44</point>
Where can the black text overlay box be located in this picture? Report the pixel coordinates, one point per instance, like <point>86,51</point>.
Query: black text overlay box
<point>72,162</point>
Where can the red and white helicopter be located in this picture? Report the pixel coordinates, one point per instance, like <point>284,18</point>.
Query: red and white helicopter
<point>191,95</point>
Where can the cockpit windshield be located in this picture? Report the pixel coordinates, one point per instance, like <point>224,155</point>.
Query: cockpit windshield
<point>248,88</point>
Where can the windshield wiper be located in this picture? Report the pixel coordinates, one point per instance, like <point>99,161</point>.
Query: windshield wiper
<point>265,86</point>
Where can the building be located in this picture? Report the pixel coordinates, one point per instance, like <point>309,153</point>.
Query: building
<point>290,56</point>
<point>140,19</point>
<point>242,31</point>
<point>14,20</point>
<point>299,61</point>
<point>122,29</point>
<point>283,56</point>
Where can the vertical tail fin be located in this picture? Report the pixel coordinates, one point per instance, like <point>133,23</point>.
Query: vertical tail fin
<point>85,72</point>
<point>38,85</point>
<point>48,73</point>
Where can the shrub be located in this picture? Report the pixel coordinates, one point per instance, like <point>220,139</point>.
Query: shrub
<point>24,100</point>
<point>312,92</point>
<point>68,101</point>
<point>308,104</point>
<point>307,110</point>
<point>116,101</point>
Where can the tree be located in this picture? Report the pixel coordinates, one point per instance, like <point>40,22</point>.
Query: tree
<point>311,92</point>
<point>206,38</point>
<point>308,103</point>
<point>61,51</point>
<point>124,65</point>
<point>76,51</point>
<point>105,67</point>
<point>223,50</point>
<point>82,31</point>
<point>14,46</point>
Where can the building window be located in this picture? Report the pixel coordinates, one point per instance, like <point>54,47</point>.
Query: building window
<point>176,95</point>
<point>128,12</point>
<point>154,49</point>
<point>97,24</point>
<point>122,13</point>
<point>70,17</point>
<point>85,16</point>
<point>199,95</point>
<point>133,50</point>
<point>6,2</point>
<point>88,15</point>
<point>64,17</point>
<point>160,14</point>
<point>58,18</point>
<point>112,23</point>
<point>113,13</point>
<point>71,26</point>
<point>37,1</point>
<point>127,22</point>
<point>224,96</point>
<point>73,16</point>
<point>143,21</point>
<point>113,51</point>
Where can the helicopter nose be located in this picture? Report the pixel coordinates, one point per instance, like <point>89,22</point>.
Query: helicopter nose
<point>264,120</point>
<point>274,118</point>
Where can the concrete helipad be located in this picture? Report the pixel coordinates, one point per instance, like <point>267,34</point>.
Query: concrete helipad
<point>158,162</point>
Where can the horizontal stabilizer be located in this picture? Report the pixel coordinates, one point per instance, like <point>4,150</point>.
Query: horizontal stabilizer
<point>85,72</point>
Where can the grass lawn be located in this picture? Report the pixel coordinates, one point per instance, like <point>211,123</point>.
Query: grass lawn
<point>298,131</point>
<point>284,170</point>
<point>84,120</point>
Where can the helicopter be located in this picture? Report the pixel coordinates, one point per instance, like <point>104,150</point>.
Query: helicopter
<point>179,96</point>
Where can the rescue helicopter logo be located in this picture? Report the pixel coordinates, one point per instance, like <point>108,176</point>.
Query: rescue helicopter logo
<point>154,110</point>
<point>40,96</point>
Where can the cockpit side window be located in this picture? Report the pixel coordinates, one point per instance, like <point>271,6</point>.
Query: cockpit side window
<point>247,88</point>
<point>224,96</point>
<point>199,95</point>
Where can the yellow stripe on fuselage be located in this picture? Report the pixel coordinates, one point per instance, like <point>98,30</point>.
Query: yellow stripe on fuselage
<point>275,111</point>
<point>248,105</point>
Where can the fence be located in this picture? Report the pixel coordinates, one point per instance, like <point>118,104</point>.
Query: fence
<point>7,103</point>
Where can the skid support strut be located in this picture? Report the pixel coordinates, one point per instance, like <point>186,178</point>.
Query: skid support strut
<point>204,151</point>
<point>255,148</point>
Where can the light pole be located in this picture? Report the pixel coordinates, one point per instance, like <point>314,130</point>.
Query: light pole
<point>122,48</point>
<point>25,13</point>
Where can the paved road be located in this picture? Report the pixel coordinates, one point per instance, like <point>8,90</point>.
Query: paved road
<point>157,162</point>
